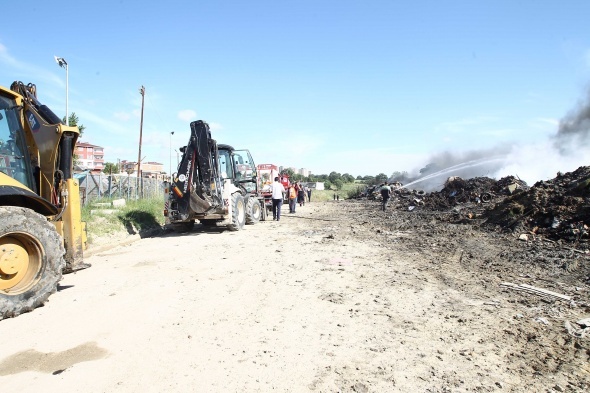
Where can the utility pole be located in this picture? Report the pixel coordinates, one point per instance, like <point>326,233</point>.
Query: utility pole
<point>171,133</point>
<point>142,92</point>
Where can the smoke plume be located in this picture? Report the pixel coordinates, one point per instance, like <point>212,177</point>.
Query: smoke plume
<point>564,151</point>
<point>574,128</point>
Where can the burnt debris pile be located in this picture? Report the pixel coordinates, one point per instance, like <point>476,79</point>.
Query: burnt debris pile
<point>459,192</point>
<point>557,209</point>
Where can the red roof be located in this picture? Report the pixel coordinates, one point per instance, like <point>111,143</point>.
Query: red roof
<point>84,144</point>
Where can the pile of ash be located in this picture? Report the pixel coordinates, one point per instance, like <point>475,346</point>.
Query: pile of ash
<point>558,208</point>
<point>459,191</point>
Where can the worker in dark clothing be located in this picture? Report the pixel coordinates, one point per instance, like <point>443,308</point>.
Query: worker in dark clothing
<point>385,194</point>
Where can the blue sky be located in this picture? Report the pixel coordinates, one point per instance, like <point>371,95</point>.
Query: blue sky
<point>356,87</point>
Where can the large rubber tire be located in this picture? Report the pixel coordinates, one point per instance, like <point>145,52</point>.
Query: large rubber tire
<point>182,227</point>
<point>253,211</point>
<point>264,213</point>
<point>238,218</point>
<point>31,260</point>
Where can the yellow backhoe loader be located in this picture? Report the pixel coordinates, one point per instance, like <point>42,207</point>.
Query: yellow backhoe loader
<point>41,231</point>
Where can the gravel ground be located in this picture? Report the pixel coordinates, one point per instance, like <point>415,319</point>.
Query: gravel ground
<point>338,297</point>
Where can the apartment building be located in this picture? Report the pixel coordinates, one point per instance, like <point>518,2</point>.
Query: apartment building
<point>89,157</point>
<point>148,169</point>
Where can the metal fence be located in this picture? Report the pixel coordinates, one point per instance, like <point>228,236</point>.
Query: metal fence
<point>98,186</point>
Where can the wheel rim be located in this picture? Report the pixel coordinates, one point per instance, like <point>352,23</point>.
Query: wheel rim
<point>256,211</point>
<point>21,258</point>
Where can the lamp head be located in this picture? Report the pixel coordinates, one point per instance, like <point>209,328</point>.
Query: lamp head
<point>61,61</point>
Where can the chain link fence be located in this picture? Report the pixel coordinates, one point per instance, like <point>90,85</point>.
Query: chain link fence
<point>99,186</point>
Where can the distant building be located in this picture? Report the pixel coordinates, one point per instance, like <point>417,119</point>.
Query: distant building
<point>148,169</point>
<point>304,172</point>
<point>89,157</point>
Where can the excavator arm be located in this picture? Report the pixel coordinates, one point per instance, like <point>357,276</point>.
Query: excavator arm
<point>196,188</point>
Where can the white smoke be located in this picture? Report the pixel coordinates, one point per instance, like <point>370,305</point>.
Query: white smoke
<point>565,151</point>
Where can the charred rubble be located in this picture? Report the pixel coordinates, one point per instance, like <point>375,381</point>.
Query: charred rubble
<point>557,209</point>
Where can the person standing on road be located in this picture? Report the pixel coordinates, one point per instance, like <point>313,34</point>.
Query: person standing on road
<point>385,194</point>
<point>292,198</point>
<point>308,190</point>
<point>278,191</point>
<point>300,195</point>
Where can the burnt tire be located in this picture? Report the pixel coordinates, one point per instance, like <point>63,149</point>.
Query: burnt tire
<point>238,215</point>
<point>253,211</point>
<point>31,260</point>
<point>182,227</point>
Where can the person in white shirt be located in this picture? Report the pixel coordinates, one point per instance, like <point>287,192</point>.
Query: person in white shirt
<point>277,199</point>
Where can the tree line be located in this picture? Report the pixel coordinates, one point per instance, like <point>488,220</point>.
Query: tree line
<point>337,180</point>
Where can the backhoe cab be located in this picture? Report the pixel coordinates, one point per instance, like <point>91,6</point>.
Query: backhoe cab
<point>214,184</point>
<point>41,232</point>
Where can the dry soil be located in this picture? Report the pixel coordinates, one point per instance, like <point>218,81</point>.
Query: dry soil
<point>338,297</point>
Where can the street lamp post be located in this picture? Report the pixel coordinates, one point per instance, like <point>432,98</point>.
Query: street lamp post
<point>142,92</point>
<point>64,64</point>
<point>171,133</point>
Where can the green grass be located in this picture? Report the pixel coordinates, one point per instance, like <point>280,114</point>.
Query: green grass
<point>349,190</point>
<point>145,214</point>
<point>136,216</point>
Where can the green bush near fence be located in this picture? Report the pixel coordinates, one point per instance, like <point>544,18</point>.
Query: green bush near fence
<point>348,190</point>
<point>135,217</point>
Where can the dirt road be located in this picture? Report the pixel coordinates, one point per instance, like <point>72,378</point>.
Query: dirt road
<point>330,299</point>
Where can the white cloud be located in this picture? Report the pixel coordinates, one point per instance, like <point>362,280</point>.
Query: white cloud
<point>122,116</point>
<point>302,145</point>
<point>187,115</point>
<point>6,58</point>
<point>215,126</point>
<point>465,125</point>
<point>104,125</point>
<point>27,72</point>
<point>553,122</point>
<point>499,132</point>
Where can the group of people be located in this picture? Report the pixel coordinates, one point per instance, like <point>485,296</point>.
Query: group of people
<point>296,194</point>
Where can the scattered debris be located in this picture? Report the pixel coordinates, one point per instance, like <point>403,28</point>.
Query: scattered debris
<point>535,290</point>
<point>556,209</point>
<point>581,330</point>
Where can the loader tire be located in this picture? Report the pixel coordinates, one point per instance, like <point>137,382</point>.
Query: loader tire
<point>182,227</point>
<point>238,217</point>
<point>264,213</point>
<point>31,260</point>
<point>253,211</point>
